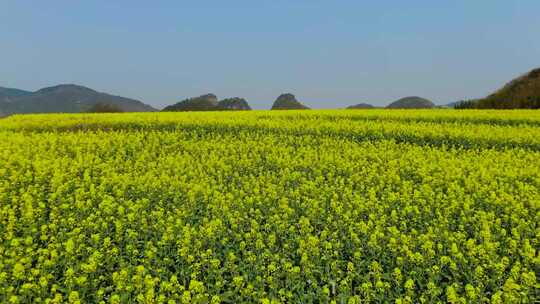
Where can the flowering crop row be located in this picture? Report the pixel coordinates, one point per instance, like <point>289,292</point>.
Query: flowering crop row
<point>311,207</point>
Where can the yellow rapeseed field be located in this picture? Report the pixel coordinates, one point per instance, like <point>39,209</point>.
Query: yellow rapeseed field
<point>357,206</point>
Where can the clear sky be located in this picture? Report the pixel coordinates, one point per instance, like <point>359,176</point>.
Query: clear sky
<point>328,53</point>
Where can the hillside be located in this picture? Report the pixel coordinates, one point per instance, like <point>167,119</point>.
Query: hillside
<point>7,96</point>
<point>206,102</point>
<point>209,102</point>
<point>234,104</point>
<point>288,102</point>
<point>67,98</point>
<point>411,102</point>
<point>520,93</point>
<point>361,106</point>
<point>8,93</point>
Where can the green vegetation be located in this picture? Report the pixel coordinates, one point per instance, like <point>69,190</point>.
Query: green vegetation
<point>371,206</point>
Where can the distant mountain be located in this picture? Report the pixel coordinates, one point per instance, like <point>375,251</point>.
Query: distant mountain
<point>288,102</point>
<point>361,106</point>
<point>6,94</point>
<point>66,98</point>
<point>235,103</point>
<point>412,102</point>
<point>520,93</point>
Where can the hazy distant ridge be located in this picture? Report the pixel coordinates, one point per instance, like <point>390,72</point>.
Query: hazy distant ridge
<point>65,98</point>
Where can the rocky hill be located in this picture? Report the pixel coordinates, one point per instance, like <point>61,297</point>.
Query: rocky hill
<point>233,104</point>
<point>67,98</point>
<point>206,102</point>
<point>411,102</point>
<point>209,102</point>
<point>288,102</point>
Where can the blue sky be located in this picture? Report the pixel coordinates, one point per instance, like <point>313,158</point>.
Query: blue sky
<point>328,53</point>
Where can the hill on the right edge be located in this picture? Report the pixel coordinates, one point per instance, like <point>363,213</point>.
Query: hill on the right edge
<point>520,93</point>
<point>411,102</point>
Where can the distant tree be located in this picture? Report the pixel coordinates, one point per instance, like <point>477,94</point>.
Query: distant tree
<point>101,107</point>
<point>466,104</point>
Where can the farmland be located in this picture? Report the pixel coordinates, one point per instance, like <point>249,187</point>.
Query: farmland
<point>271,207</point>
